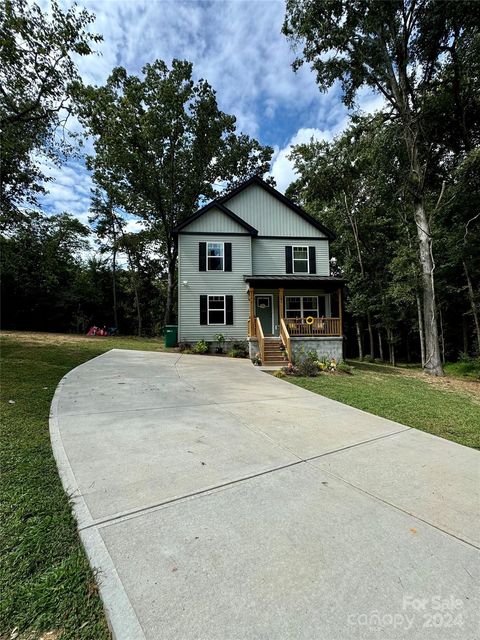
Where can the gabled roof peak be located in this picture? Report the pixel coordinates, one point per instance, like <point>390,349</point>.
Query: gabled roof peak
<point>281,198</point>
<point>217,204</point>
<point>220,203</point>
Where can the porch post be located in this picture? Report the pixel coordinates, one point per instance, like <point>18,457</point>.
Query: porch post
<point>253,327</point>
<point>340,309</point>
<point>281,303</point>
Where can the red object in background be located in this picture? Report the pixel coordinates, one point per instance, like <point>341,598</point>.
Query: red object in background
<point>97,331</point>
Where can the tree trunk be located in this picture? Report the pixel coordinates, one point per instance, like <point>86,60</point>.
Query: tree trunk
<point>172,263</point>
<point>133,271</point>
<point>471,297</point>
<point>139,313</point>
<point>359,340</point>
<point>391,347</point>
<point>380,345</point>
<point>114,288</point>
<point>353,223</point>
<point>433,363</point>
<point>465,334</point>
<point>420,328</point>
<point>442,338</point>
<point>370,334</point>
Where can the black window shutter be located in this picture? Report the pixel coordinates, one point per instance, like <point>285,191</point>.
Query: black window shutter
<point>228,256</point>
<point>312,262</point>
<point>229,310</point>
<point>202,256</point>
<point>288,260</point>
<point>203,309</point>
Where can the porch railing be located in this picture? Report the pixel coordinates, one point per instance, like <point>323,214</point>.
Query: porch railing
<point>285,338</point>
<point>252,327</point>
<point>261,339</point>
<point>319,327</point>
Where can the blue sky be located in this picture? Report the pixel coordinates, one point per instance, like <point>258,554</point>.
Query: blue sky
<point>236,45</point>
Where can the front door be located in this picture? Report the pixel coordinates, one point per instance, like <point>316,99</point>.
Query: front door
<point>264,311</point>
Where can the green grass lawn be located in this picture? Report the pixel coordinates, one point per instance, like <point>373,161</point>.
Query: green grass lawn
<point>444,407</point>
<point>45,580</point>
<point>465,369</point>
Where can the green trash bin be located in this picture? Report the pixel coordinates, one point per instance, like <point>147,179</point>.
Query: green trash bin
<point>170,335</point>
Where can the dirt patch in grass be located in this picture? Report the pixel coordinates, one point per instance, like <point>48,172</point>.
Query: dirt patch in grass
<point>454,384</point>
<point>470,388</point>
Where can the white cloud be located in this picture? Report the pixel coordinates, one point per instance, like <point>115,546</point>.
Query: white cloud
<point>337,120</point>
<point>69,189</point>
<point>134,225</point>
<point>282,167</point>
<point>237,46</point>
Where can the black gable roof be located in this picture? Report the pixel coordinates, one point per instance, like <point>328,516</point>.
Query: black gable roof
<point>220,204</point>
<point>281,198</point>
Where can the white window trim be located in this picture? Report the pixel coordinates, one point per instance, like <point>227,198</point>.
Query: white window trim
<point>320,295</point>
<point>217,295</point>
<point>223,255</point>
<point>300,246</point>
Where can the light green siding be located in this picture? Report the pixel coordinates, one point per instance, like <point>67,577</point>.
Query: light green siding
<point>250,256</point>
<point>268,215</point>
<point>215,221</point>
<point>213,283</point>
<point>268,255</point>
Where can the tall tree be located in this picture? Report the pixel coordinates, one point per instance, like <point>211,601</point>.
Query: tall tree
<point>352,184</point>
<point>109,228</point>
<point>162,146</point>
<point>397,48</point>
<point>37,69</point>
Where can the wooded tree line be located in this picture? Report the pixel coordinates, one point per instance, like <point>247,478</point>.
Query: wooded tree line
<point>400,189</point>
<point>162,147</point>
<point>50,284</point>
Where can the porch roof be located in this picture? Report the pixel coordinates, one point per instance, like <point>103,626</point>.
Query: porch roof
<point>294,279</point>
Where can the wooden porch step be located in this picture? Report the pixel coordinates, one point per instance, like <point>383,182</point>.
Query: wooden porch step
<point>272,354</point>
<point>277,357</point>
<point>270,344</point>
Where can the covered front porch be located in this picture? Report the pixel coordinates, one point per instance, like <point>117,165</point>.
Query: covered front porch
<point>294,308</point>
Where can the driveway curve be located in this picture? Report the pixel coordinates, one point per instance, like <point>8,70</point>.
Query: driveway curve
<point>218,502</point>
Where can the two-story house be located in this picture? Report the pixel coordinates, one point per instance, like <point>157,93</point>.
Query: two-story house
<point>253,265</point>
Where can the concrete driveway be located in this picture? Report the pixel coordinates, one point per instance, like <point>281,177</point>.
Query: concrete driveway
<point>221,503</point>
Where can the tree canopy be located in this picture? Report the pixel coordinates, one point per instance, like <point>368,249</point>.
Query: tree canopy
<point>163,146</point>
<point>402,49</point>
<point>37,69</point>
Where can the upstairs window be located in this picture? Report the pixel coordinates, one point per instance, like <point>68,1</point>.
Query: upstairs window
<point>215,256</point>
<point>300,259</point>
